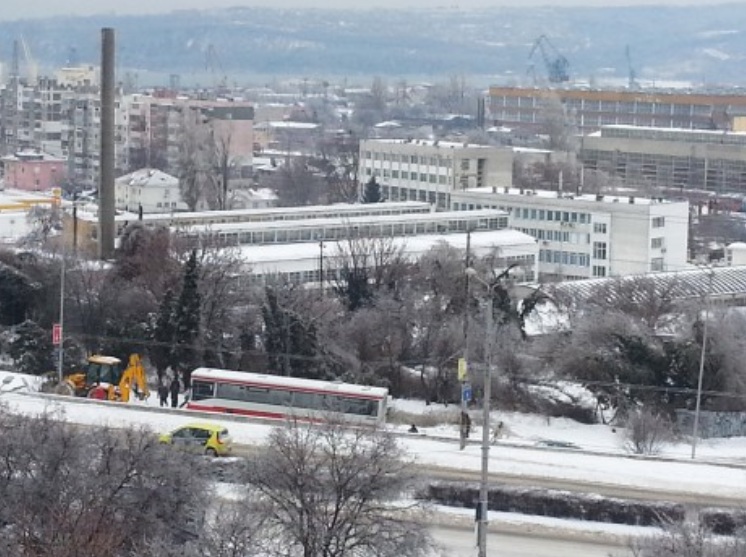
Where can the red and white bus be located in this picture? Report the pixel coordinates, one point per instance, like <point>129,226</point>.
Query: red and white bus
<point>277,397</point>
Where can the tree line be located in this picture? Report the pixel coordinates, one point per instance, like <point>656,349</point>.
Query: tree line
<point>383,317</point>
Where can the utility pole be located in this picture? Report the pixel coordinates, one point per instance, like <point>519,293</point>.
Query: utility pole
<point>61,352</point>
<point>484,491</point>
<point>321,267</point>
<point>464,373</point>
<point>702,354</point>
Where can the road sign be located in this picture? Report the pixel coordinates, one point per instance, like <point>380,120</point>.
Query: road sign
<point>466,392</point>
<point>462,369</point>
<point>56,334</point>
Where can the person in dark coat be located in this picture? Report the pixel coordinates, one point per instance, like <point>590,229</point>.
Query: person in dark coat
<point>174,390</point>
<point>163,393</point>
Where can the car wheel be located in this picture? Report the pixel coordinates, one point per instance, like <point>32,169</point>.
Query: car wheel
<point>211,452</point>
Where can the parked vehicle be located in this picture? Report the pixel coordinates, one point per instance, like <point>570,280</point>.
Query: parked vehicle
<point>104,379</point>
<point>278,397</point>
<point>203,438</point>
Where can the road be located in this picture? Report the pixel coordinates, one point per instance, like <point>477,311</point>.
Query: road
<point>461,543</point>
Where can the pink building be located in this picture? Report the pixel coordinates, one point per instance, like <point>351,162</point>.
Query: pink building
<point>34,171</point>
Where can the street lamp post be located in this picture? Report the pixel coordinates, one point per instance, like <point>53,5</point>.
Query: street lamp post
<point>482,520</point>
<point>61,353</point>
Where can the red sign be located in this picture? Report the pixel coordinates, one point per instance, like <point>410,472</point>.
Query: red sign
<point>56,334</point>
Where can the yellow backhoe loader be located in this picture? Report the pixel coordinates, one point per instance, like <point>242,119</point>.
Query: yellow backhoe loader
<point>104,379</point>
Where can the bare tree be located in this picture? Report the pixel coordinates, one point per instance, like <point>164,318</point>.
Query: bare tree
<point>72,492</point>
<point>330,491</point>
<point>648,431</point>
<point>194,154</point>
<point>689,539</point>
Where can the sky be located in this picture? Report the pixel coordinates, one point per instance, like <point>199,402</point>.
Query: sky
<point>41,8</point>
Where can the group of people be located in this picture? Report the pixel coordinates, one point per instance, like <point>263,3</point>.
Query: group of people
<point>172,389</point>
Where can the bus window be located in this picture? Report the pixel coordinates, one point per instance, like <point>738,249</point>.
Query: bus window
<point>280,398</point>
<point>202,390</point>
<point>311,401</point>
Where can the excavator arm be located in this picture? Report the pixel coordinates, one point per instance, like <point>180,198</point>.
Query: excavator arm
<point>134,374</point>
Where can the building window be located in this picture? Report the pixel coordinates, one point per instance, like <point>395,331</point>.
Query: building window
<point>599,250</point>
<point>599,227</point>
<point>656,264</point>
<point>656,243</point>
<point>659,222</point>
<point>599,271</point>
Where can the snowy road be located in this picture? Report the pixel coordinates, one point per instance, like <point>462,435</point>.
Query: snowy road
<point>652,479</point>
<point>461,543</point>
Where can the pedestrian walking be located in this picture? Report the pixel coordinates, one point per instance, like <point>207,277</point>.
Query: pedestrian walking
<point>163,393</point>
<point>174,389</point>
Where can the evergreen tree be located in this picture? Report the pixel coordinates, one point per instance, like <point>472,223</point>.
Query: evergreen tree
<point>372,192</point>
<point>187,320</point>
<point>17,293</point>
<point>355,289</point>
<point>161,353</point>
<point>32,349</point>
<point>290,342</point>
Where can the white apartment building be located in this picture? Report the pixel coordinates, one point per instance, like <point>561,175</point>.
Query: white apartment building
<point>425,170</point>
<point>586,236</point>
<point>151,189</point>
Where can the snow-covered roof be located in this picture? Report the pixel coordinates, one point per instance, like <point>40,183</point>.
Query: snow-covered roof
<point>283,124</point>
<point>412,246</point>
<point>695,283</point>
<point>148,177</point>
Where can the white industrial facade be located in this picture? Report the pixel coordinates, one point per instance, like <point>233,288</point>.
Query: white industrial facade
<point>301,263</point>
<point>423,170</point>
<point>586,236</point>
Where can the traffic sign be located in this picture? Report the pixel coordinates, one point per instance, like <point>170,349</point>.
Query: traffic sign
<point>462,369</point>
<point>466,392</point>
<point>56,334</point>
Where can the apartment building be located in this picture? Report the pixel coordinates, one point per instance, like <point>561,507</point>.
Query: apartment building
<point>424,170</point>
<point>525,107</point>
<point>586,236</point>
<point>669,158</point>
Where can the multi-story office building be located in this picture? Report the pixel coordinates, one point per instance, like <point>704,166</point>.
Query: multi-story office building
<point>669,158</point>
<point>423,170</point>
<point>522,107</point>
<point>585,236</point>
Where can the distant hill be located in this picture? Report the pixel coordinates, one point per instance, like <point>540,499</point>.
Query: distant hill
<point>700,44</point>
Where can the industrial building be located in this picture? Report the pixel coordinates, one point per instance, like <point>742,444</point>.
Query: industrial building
<point>589,109</point>
<point>302,263</point>
<point>424,170</point>
<point>669,158</point>
<point>585,236</point>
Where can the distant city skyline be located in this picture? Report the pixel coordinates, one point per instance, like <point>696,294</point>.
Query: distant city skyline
<point>42,8</point>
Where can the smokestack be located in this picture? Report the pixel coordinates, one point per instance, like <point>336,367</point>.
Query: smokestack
<point>106,179</point>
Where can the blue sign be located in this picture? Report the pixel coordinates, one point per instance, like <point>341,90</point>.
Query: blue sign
<point>466,392</point>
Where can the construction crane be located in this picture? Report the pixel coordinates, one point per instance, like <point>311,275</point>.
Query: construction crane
<point>558,68</point>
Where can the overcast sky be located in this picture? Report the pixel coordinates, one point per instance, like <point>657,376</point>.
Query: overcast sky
<point>16,9</point>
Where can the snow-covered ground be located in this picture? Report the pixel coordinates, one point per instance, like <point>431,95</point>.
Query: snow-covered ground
<point>602,460</point>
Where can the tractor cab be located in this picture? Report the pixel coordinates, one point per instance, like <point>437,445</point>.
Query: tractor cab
<point>103,369</point>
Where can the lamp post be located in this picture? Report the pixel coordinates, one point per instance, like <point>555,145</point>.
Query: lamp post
<point>61,352</point>
<point>484,483</point>
<point>702,354</point>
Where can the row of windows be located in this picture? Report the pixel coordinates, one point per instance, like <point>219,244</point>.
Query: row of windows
<point>561,236</point>
<point>202,390</point>
<point>403,175</point>
<point>395,193</point>
<point>564,257</point>
<point>554,216</point>
<point>408,159</point>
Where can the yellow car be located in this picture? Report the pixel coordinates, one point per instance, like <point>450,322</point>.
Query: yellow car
<point>205,438</point>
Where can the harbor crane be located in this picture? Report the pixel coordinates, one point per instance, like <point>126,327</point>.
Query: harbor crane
<point>558,67</point>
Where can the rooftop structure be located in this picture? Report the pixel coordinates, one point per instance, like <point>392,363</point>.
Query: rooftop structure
<point>336,228</point>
